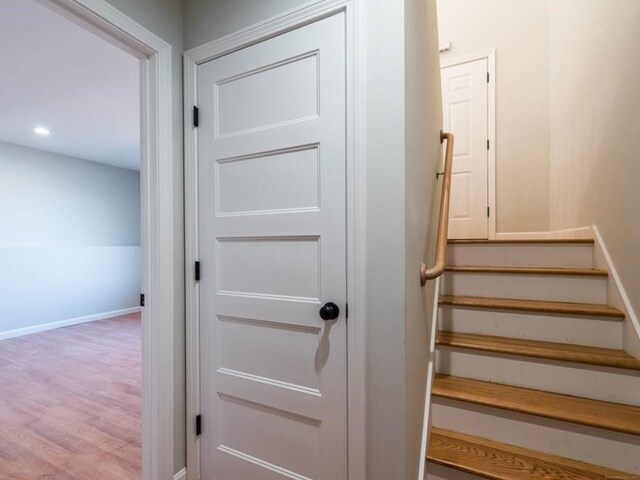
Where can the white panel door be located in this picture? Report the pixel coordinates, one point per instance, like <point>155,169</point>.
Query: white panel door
<point>465,108</point>
<point>272,226</point>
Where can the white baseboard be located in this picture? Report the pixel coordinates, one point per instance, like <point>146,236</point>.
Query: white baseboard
<point>19,332</point>
<point>572,233</point>
<point>181,475</point>
<point>617,296</point>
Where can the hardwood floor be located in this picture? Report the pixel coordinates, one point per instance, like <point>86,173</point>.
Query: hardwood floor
<point>70,403</point>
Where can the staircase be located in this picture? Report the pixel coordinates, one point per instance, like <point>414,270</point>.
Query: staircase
<point>532,381</point>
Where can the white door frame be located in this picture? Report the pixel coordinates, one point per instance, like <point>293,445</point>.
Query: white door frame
<point>355,212</point>
<point>157,214</point>
<point>490,56</point>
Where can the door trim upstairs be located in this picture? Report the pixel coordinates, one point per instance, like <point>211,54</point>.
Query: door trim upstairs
<point>490,56</point>
<point>356,209</point>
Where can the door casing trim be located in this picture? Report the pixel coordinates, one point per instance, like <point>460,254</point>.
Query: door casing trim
<point>356,209</point>
<point>490,56</point>
<point>157,218</point>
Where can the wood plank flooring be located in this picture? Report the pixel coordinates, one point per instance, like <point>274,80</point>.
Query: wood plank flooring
<point>70,403</point>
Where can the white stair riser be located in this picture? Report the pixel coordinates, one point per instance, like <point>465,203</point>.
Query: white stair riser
<point>590,331</point>
<point>600,447</point>
<point>438,472</point>
<point>519,255</point>
<point>606,384</point>
<point>557,288</point>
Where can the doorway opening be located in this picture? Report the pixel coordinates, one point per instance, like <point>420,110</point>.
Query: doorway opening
<point>468,102</point>
<point>70,181</point>
<point>70,250</point>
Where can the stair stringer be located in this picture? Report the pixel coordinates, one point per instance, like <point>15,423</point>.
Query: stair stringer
<point>431,368</point>
<point>617,296</point>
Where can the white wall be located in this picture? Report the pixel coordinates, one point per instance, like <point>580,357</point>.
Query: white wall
<point>165,19</point>
<point>69,238</point>
<point>423,121</point>
<point>403,122</point>
<point>519,31</point>
<point>595,120</point>
<point>385,281</point>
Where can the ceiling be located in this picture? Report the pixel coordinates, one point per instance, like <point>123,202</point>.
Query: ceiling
<point>58,75</point>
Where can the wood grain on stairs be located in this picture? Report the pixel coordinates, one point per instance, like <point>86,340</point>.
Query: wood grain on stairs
<point>607,357</point>
<point>590,272</point>
<point>534,306</point>
<point>586,241</point>
<point>499,461</point>
<point>593,413</point>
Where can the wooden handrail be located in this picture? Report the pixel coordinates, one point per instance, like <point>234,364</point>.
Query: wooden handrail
<point>443,222</point>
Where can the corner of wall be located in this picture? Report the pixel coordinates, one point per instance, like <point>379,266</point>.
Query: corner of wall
<point>617,296</point>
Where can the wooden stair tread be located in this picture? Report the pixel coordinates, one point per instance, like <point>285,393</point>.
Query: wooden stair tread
<point>500,461</point>
<point>539,306</point>
<point>594,413</point>
<point>591,272</point>
<point>587,241</point>
<point>566,352</point>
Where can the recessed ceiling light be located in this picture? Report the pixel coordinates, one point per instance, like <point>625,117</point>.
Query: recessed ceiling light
<point>42,131</point>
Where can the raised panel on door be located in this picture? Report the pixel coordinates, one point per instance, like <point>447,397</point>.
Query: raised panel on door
<point>465,109</point>
<point>272,239</point>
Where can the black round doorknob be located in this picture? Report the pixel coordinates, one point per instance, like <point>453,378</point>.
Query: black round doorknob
<point>329,311</point>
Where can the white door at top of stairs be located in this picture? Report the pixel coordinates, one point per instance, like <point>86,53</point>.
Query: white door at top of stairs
<point>465,114</point>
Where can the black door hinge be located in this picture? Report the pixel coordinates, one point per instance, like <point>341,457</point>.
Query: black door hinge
<point>197,271</point>
<point>196,116</point>
<point>142,299</point>
<point>488,211</point>
<point>198,425</point>
<point>488,144</point>
<point>346,311</point>
<point>488,77</point>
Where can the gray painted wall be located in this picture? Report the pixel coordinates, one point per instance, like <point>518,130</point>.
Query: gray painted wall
<point>385,185</point>
<point>403,123</point>
<point>48,199</point>
<point>165,19</point>
<point>206,20</point>
<point>69,238</point>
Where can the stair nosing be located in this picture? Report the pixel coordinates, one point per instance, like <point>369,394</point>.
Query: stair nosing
<point>535,407</point>
<point>537,306</point>
<point>562,352</point>
<point>586,241</point>
<point>511,450</point>
<point>581,272</point>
